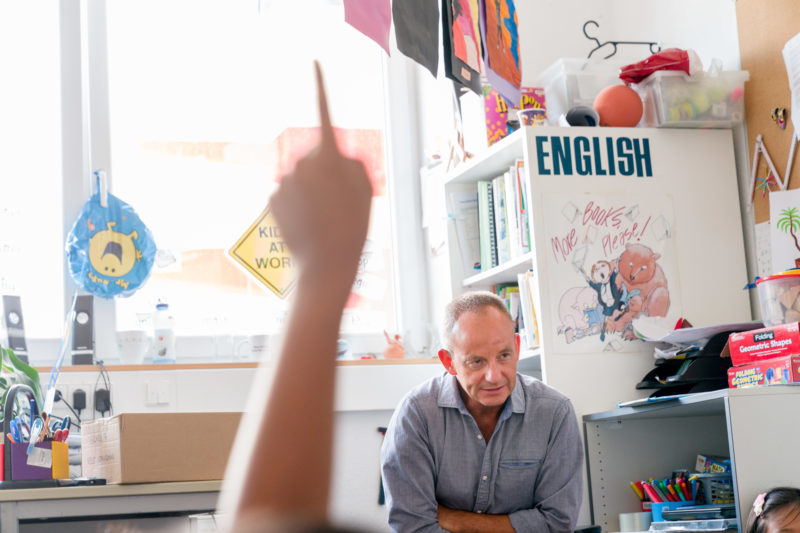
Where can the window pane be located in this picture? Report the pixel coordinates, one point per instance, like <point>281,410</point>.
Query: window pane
<point>210,102</point>
<point>31,226</point>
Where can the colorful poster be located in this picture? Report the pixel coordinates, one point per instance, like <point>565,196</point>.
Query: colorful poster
<point>416,29</point>
<point>784,214</point>
<point>373,18</point>
<point>462,42</point>
<point>611,260</point>
<point>501,47</point>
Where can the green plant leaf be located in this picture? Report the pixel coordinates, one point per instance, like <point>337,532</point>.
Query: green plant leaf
<point>14,371</point>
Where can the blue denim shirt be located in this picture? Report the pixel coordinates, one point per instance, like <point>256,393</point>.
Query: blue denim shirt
<point>531,469</point>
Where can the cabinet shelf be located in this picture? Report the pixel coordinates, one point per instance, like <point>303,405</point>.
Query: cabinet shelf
<point>654,439</point>
<point>493,162</point>
<point>505,273</point>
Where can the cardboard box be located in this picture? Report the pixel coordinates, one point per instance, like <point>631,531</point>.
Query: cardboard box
<point>712,464</point>
<point>767,372</point>
<point>157,447</point>
<point>765,343</point>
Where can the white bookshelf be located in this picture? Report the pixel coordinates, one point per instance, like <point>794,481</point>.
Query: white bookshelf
<point>634,443</point>
<point>505,273</point>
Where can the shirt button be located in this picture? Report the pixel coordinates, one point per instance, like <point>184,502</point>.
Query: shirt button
<point>485,478</point>
<point>479,437</point>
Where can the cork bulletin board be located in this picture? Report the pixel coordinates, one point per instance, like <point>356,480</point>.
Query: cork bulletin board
<point>764,29</point>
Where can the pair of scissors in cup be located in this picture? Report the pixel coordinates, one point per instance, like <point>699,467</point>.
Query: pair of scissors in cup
<point>36,433</point>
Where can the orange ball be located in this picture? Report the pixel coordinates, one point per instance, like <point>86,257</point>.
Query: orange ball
<point>618,106</point>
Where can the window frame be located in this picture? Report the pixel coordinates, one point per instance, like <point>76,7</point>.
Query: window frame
<point>86,146</point>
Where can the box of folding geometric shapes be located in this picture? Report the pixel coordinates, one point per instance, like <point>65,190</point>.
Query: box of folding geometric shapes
<point>767,372</point>
<point>765,343</point>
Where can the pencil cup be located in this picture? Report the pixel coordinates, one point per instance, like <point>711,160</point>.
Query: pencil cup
<point>56,465</point>
<point>635,521</point>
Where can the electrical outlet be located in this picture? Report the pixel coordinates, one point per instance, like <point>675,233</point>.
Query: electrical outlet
<point>86,413</point>
<point>59,407</point>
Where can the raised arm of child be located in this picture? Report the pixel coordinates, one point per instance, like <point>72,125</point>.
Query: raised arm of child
<point>281,462</point>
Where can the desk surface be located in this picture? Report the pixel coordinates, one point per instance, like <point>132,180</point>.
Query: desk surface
<point>102,491</point>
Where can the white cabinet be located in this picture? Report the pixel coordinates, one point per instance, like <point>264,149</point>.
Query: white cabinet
<point>754,427</point>
<point>659,207</point>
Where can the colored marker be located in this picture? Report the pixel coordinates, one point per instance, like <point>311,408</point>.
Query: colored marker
<point>666,492</point>
<point>660,491</point>
<point>651,493</point>
<point>637,490</point>
<point>685,490</point>
<point>676,491</point>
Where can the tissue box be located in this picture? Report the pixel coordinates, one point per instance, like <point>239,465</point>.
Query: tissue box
<point>158,447</point>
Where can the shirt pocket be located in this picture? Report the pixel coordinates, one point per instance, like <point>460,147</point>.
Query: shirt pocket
<point>516,479</point>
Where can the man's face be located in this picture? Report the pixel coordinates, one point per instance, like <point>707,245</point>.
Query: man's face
<point>484,357</point>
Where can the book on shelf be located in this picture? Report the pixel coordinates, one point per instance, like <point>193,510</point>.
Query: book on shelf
<point>486,232</point>
<point>464,211</point>
<point>522,206</point>
<point>527,296</point>
<point>509,293</point>
<point>501,221</point>
<point>512,215</point>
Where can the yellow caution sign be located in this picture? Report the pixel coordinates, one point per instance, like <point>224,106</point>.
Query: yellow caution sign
<point>263,253</point>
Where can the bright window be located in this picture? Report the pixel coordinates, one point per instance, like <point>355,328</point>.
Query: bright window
<point>31,228</point>
<point>210,102</point>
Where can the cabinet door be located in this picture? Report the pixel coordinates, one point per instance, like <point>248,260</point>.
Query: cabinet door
<point>633,223</point>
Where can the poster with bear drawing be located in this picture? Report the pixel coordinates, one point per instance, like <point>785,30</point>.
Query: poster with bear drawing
<point>611,259</point>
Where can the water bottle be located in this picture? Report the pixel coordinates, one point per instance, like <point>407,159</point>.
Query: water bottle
<point>163,335</point>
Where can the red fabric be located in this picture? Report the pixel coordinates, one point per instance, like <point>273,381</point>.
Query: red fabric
<point>669,59</point>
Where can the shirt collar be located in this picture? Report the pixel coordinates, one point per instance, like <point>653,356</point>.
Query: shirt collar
<point>449,396</point>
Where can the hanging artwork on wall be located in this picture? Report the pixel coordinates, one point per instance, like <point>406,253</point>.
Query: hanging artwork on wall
<point>462,42</point>
<point>373,18</point>
<point>612,260</point>
<point>501,47</point>
<point>784,214</point>
<point>416,28</point>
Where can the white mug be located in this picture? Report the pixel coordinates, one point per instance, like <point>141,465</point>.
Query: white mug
<point>132,345</point>
<point>635,521</point>
<point>253,348</point>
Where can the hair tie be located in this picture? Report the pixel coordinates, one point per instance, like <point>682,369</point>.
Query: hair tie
<point>758,505</point>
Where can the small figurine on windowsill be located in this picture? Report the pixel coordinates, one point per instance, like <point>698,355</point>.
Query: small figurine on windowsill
<point>394,348</point>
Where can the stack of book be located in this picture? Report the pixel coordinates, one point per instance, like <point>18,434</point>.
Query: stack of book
<point>503,220</point>
<point>519,298</point>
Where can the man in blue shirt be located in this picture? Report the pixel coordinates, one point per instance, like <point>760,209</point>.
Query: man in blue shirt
<point>482,448</point>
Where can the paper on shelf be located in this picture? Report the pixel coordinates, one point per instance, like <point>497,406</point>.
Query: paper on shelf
<point>652,330</point>
<point>791,56</point>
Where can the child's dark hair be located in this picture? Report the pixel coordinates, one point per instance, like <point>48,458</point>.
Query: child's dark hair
<point>769,503</point>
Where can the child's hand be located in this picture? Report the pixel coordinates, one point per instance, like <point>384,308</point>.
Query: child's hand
<point>323,205</point>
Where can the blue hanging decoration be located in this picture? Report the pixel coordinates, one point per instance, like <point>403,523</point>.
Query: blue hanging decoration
<point>109,249</point>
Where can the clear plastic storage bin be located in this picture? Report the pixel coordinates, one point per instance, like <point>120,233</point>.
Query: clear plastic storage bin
<point>571,82</point>
<point>673,99</point>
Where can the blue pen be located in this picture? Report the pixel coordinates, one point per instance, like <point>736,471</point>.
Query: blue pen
<point>694,489</point>
<point>18,427</point>
<point>33,408</point>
